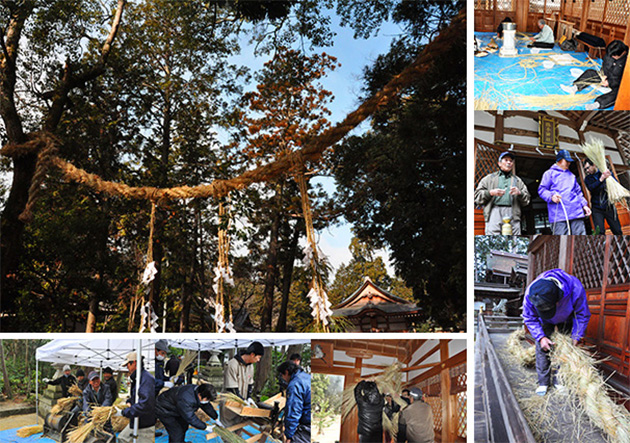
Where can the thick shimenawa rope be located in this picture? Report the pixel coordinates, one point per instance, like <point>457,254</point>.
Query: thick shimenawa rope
<point>312,151</point>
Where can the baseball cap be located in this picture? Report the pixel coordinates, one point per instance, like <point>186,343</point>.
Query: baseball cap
<point>93,375</point>
<point>544,294</point>
<point>564,154</point>
<point>132,356</point>
<point>506,154</point>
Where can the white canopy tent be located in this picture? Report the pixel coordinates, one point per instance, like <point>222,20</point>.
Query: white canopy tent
<point>96,353</point>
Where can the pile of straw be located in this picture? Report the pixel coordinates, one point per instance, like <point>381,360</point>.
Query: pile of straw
<point>29,430</point>
<point>99,415</point>
<point>75,391</point>
<point>119,423</point>
<point>227,436</point>
<point>80,433</point>
<point>579,374</point>
<point>555,101</point>
<point>595,151</point>
<point>63,404</point>
<point>525,356</point>
<point>187,359</point>
<point>229,396</point>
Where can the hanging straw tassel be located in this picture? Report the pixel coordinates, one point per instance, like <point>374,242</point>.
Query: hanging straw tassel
<point>594,149</point>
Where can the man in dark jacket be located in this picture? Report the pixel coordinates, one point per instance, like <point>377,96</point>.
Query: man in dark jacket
<point>96,393</point>
<point>161,380</point>
<point>176,409</point>
<point>595,181</point>
<point>613,65</point>
<point>416,420</point>
<point>370,404</point>
<point>82,382</point>
<point>297,418</point>
<point>108,379</point>
<point>171,366</point>
<point>65,381</point>
<point>142,406</point>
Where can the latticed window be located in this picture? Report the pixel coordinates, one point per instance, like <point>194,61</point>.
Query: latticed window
<point>458,390</point>
<point>596,12</point>
<point>536,5</point>
<point>436,407</point>
<point>505,5</point>
<point>619,262</point>
<point>617,12</point>
<point>547,257</point>
<point>553,6</point>
<point>484,5</point>
<point>487,158</point>
<point>588,260</point>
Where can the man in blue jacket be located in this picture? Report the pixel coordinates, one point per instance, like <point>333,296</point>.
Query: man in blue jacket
<point>176,409</point>
<point>96,393</point>
<point>554,299</point>
<point>297,418</point>
<point>566,204</point>
<point>161,380</point>
<point>595,181</point>
<point>142,406</point>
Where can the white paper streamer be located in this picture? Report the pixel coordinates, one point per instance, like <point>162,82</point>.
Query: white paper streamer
<point>321,305</point>
<point>149,273</point>
<point>146,312</point>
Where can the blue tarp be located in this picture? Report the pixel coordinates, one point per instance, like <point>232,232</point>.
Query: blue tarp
<point>501,79</point>
<point>196,436</point>
<point>10,436</point>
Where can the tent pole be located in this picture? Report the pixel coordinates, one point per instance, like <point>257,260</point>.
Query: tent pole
<point>136,420</point>
<point>198,359</point>
<point>36,391</point>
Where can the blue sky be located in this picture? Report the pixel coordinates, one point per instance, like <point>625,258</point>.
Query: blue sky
<point>345,83</point>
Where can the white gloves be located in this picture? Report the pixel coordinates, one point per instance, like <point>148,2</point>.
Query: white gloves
<point>252,403</point>
<point>217,422</point>
<point>46,380</point>
<point>118,413</point>
<point>209,428</point>
<point>168,384</point>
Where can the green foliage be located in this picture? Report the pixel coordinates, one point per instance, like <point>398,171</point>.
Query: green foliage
<point>324,405</point>
<point>403,184</point>
<point>19,358</point>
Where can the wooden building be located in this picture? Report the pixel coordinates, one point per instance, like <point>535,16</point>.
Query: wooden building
<point>602,263</point>
<point>518,131</point>
<point>608,19</point>
<point>505,278</point>
<point>372,309</point>
<point>438,367</point>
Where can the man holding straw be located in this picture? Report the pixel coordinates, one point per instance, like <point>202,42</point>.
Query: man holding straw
<point>554,299</point>
<point>566,204</point>
<point>142,406</point>
<point>96,393</point>
<point>502,195</point>
<point>238,379</point>
<point>603,209</point>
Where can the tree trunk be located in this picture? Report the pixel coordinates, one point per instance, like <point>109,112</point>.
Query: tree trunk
<point>287,275</point>
<point>5,375</point>
<point>263,369</point>
<point>271,267</point>
<point>27,371</point>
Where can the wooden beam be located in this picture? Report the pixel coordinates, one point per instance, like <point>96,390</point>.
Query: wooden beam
<point>445,391</point>
<point>428,354</point>
<point>453,361</point>
<point>335,371</point>
<point>498,126</point>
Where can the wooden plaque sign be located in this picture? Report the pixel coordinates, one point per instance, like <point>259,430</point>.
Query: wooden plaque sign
<point>548,132</point>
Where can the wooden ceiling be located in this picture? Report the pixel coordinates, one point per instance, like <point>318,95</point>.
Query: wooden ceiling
<point>606,120</point>
<point>401,350</point>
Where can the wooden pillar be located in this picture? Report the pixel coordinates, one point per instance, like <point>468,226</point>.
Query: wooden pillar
<point>350,423</point>
<point>564,253</point>
<point>563,5</point>
<point>626,38</point>
<point>499,125</point>
<point>586,6</point>
<point>445,389</point>
<point>623,97</point>
<point>522,10</point>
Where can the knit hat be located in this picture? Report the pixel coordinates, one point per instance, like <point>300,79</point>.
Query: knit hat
<point>66,368</point>
<point>80,373</point>
<point>93,375</point>
<point>544,294</point>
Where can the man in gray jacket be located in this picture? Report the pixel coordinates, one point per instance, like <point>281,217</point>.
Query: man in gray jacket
<point>502,195</point>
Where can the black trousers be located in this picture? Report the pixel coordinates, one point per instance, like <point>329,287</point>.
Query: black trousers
<point>302,434</point>
<point>591,77</point>
<point>176,428</point>
<point>610,215</point>
<point>543,363</point>
<point>374,437</point>
<point>541,45</point>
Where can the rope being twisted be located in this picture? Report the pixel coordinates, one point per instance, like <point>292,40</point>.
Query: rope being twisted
<point>312,151</point>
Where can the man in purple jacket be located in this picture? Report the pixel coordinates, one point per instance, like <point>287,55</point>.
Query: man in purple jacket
<point>565,202</point>
<point>555,298</point>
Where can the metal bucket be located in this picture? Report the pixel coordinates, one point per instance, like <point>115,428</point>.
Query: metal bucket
<point>509,26</point>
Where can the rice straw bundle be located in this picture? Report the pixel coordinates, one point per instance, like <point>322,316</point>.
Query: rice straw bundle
<point>75,391</point>
<point>187,359</point>
<point>578,373</point>
<point>229,396</point>
<point>227,436</point>
<point>63,404</point>
<point>119,423</point>
<point>29,430</point>
<point>80,433</point>
<point>595,151</point>
<point>391,426</point>
<point>100,415</point>
<point>555,101</point>
<point>525,356</point>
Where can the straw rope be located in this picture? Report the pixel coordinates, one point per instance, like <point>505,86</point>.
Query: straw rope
<point>312,151</point>
<point>223,266</point>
